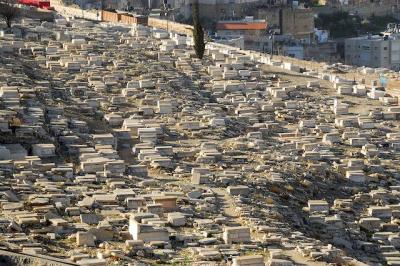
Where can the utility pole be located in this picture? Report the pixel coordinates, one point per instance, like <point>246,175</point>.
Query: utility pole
<point>273,45</point>
<point>272,38</point>
<point>166,13</point>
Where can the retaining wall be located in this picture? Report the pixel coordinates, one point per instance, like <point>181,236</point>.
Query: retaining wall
<point>109,16</point>
<point>171,26</point>
<point>67,11</point>
<point>42,14</point>
<point>127,19</point>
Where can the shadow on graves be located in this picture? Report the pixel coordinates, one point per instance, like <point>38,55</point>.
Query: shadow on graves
<point>18,259</point>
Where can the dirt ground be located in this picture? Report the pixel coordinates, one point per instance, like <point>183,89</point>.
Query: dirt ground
<point>358,105</point>
<point>393,86</point>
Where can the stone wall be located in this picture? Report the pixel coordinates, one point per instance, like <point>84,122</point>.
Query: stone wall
<point>97,15</point>
<point>133,20</point>
<point>67,11</point>
<point>41,14</point>
<point>110,16</point>
<point>171,26</point>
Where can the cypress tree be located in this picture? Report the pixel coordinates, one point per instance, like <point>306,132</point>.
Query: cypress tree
<point>198,32</point>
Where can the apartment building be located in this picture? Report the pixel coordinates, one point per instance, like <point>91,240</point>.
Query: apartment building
<point>374,51</point>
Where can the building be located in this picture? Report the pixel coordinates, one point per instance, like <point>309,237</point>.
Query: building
<point>296,22</point>
<point>323,52</point>
<point>255,35</point>
<point>293,50</point>
<point>339,3</point>
<point>321,36</point>
<point>374,51</point>
<point>253,31</point>
<point>215,10</point>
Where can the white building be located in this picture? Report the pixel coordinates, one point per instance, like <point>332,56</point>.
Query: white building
<point>374,51</point>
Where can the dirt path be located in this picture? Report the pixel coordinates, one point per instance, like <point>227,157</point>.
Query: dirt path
<point>227,203</point>
<point>298,259</point>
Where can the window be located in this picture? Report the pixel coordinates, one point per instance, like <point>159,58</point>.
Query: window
<point>385,48</point>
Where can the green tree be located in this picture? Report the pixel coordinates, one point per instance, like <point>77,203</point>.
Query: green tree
<point>198,32</point>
